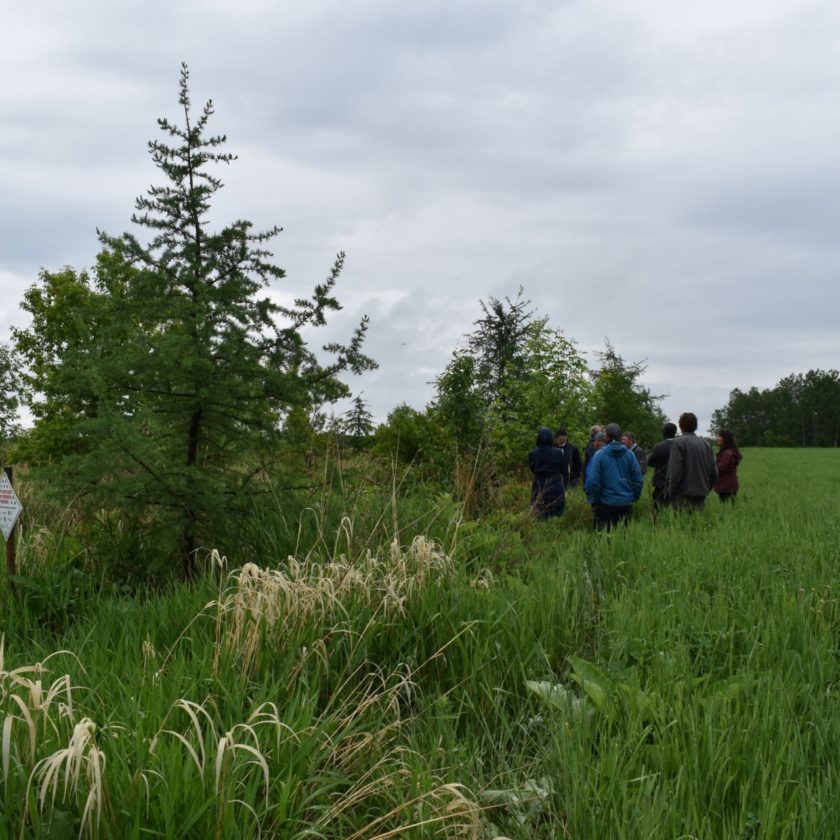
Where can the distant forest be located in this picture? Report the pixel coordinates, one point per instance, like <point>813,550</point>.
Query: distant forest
<point>802,410</point>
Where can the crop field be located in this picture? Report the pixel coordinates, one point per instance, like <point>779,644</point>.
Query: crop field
<point>479,679</point>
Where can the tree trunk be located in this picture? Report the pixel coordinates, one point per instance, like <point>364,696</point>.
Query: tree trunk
<point>188,534</point>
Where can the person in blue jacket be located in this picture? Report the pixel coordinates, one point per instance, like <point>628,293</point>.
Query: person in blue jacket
<point>548,464</point>
<point>613,481</point>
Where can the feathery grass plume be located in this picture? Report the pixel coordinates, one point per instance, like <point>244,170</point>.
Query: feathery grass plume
<point>216,563</point>
<point>307,592</point>
<point>446,811</point>
<point>82,765</point>
<point>202,735</point>
<point>380,768</point>
<point>350,749</point>
<point>33,705</point>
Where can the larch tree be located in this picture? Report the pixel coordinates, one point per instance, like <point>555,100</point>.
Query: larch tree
<point>357,422</point>
<point>498,343</point>
<point>618,396</point>
<point>198,369</point>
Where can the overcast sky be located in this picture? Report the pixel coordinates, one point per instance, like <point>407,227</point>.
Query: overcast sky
<point>665,175</point>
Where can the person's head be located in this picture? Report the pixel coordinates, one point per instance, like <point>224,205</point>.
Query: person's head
<point>599,439</point>
<point>726,440</point>
<point>669,430</point>
<point>612,431</point>
<point>688,422</point>
<point>544,437</point>
<point>593,430</point>
<point>628,439</point>
<point>560,437</point>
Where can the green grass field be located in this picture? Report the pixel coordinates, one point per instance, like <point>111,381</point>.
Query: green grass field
<point>677,679</point>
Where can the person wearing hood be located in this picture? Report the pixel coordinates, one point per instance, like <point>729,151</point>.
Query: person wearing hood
<point>548,464</point>
<point>614,481</point>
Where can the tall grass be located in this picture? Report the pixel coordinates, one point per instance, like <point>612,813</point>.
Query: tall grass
<point>675,678</point>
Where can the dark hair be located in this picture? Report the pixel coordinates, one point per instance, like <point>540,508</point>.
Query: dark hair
<point>612,431</point>
<point>688,422</point>
<point>561,431</point>
<point>669,430</point>
<point>728,440</point>
<point>544,437</point>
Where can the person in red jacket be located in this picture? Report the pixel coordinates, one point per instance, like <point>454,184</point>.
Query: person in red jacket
<point>728,458</point>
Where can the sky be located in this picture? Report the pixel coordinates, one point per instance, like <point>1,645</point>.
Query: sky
<point>661,175</point>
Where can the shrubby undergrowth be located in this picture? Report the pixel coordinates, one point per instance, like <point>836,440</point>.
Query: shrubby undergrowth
<point>386,670</point>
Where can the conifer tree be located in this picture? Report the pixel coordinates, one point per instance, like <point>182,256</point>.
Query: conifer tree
<point>191,399</point>
<point>357,423</point>
<point>498,342</point>
<point>619,397</point>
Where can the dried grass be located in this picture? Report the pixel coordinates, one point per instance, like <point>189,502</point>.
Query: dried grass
<point>308,592</point>
<point>25,698</point>
<point>82,766</point>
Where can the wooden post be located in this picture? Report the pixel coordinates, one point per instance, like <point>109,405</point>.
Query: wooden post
<point>11,557</point>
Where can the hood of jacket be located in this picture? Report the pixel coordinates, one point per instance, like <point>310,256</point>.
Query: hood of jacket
<point>615,448</point>
<point>545,437</point>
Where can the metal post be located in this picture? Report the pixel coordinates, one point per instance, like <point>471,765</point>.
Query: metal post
<point>11,557</point>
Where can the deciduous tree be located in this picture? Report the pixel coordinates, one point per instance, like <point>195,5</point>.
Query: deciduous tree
<point>11,391</point>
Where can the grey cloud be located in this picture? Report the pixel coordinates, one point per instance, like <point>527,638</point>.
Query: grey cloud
<point>663,177</point>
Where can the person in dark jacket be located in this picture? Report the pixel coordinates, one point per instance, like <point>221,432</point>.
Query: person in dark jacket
<point>728,458</point>
<point>614,481</point>
<point>591,449</point>
<point>692,472</point>
<point>572,455</point>
<point>658,461</point>
<point>629,440</point>
<point>548,495</point>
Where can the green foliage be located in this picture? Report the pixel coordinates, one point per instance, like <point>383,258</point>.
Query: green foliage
<point>165,384</point>
<point>498,342</point>
<point>409,436</point>
<point>74,340</point>
<point>460,405</point>
<point>801,410</point>
<point>619,397</point>
<point>551,390</point>
<point>11,392</point>
<point>357,423</point>
<point>516,375</point>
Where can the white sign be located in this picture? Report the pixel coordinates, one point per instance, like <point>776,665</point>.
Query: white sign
<point>10,506</point>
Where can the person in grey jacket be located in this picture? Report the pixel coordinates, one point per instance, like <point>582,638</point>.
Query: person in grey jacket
<point>692,471</point>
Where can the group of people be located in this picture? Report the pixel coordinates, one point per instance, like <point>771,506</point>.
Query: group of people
<point>685,470</point>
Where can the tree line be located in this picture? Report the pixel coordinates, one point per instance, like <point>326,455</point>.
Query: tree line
<point>801,410</point>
